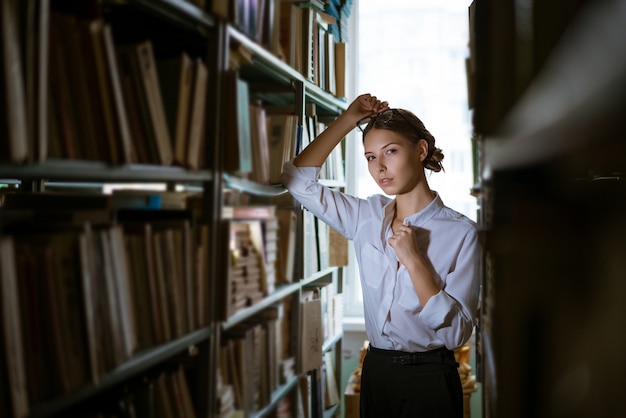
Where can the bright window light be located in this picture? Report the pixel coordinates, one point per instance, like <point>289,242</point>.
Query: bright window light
<point>412,53</point>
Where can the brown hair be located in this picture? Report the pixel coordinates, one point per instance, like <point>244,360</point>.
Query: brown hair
<point>411,128</point>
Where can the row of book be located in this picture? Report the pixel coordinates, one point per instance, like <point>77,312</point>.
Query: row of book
<point>79,299</point>
<point>333,167</point>
<point>325,378</point>
<point>81,95</point>
<point>254,360</point>
<point>322,310</point>
<point>89,280</point>
<point>262,252</point>
<point>303,33</point>
<point>102,100</point>
<point>332,311</point>
<point>256,356</point>
<point>262,139</point>
<point>261,247</point>
<point>308,45</point>
<point>259,141</point>
<point>168,393</point>
<point>323,246</point>
<point>319,323</point>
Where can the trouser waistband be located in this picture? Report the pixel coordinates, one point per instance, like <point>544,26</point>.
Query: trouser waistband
<point>438,356</point>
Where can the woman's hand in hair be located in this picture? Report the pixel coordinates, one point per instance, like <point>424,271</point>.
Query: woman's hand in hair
<point>365,105</point>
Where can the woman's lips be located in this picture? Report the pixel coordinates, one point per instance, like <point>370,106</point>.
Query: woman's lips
<point>384,181</point>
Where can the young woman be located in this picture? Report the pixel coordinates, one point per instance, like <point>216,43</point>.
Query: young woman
<point>418,260</point>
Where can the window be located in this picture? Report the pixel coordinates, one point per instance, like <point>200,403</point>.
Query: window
<point>412,53</point>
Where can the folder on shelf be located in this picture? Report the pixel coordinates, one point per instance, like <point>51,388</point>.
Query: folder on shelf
<point>312,336</point>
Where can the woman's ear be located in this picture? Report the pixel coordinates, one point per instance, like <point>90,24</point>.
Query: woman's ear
<point>422,149</point>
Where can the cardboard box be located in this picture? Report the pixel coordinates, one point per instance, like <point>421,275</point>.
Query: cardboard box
<point>351,404</point>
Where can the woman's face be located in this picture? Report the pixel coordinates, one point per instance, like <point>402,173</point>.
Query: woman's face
<point>394,163</point>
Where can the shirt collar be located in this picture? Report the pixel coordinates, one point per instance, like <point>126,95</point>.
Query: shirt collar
<point>417,219</point>
<point>421,217</point>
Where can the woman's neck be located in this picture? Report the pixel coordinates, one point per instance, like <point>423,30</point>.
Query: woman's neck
<point>409,203</point>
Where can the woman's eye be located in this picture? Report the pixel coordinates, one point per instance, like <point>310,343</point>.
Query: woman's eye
<point>391,151</point>
<point>370,158</point>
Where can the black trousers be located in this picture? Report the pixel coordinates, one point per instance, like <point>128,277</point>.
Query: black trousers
<point>396,384</point>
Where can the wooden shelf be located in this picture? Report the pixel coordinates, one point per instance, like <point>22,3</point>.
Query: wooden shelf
<point>86,171</point>
<point>277,396</point>
<point>123,108</point>
<point>582,82</point>
<point>280,293</point>
<point>180,12</point>
<point>133,368</point>
<point>247,186</point>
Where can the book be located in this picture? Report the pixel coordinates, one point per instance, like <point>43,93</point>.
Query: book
<point>104,92</point>
<point>266,212</point>
<point>311,262</point>
<point>176,81</point>
<point>139,59</point>
<point>89,286</point>
<point>148,285</point>
<point>187,402</point>
<point>244,267</point>
<point>145,147</point>
<point>260,144</point>
<point>124,291</point>
<point>286,245</point>
<point>62,109</point>
<point>82,72</point>
<point>238,155</point>
<point>263,226</point>
<point>121,130</point>
<point>330,83</point>
<point>266,23</point>
<point>96,100</point>
<point>220,8</point>
<point>197,119</point>
<point>307,66</point>
<point>305,407</point>
<point>13,127</point>
<point>174,280</point>
<point>150,199</point>
<point>239,55</point>
<point>62,313</point>
<point>134,243</point>
<point>338,248</point>
<point>36,23</point>
<point>163,399</point>
<point>97,323</point>
<point>248,365</point>
<point>113,317</point>
<point>341,62</point>
<point>282,135</point>
<point>244,16</point>
<point>11,327</point>
<point>323,250</point>
<point>200,293</point>
<point>32,311</point>
<point>311,337</point>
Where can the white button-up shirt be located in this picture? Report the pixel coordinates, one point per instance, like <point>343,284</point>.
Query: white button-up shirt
<point>394,317</point>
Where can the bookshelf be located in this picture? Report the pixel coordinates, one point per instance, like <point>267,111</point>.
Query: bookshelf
<point>131,287</point>
<point>553,160</point>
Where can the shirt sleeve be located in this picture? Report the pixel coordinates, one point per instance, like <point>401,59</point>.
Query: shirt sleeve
<point>452,311</point>
<point>337,209</point>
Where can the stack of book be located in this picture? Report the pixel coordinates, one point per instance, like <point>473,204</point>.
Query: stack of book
<point>244,272</point>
